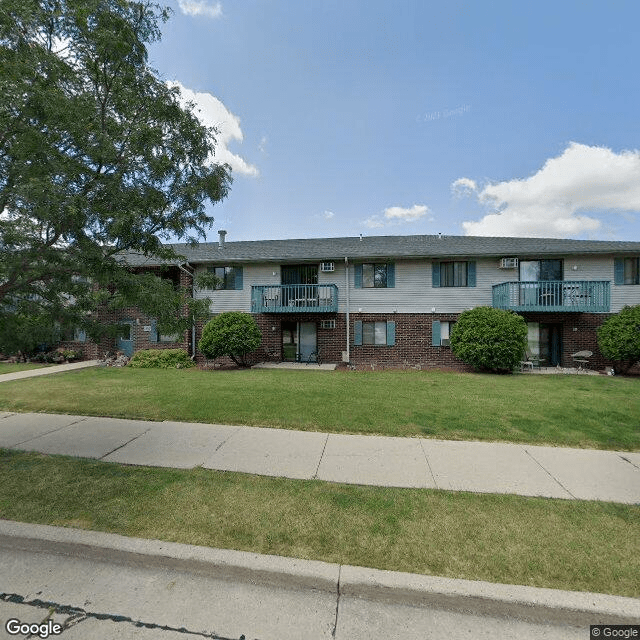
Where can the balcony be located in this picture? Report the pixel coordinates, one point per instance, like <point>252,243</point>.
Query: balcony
<point>294,298</point>
<point>553,295</point>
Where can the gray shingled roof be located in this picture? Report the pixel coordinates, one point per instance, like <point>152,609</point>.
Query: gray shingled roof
<point>396,247</point>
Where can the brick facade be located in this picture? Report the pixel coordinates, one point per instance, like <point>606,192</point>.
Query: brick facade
<point>413,339</point>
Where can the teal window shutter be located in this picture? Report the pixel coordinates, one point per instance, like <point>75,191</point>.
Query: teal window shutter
<point>471,274</point>
<point>391,275</point>
<point>391,333</point>
<point>435,333</point>
<point>153,336</point>
<point>435,274</point>
<point>357,276</point>
<point>238,282</point>
<point>618,271</point>
<point>357,332</point>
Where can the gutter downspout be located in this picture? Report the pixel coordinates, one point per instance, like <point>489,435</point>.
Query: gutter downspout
<point>346,279</point>
<point>193,295</point>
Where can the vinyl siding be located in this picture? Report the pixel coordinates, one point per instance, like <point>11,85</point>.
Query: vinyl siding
<point>413,291</point>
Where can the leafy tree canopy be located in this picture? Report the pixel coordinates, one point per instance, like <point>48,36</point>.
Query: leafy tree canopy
<point>97,157</point>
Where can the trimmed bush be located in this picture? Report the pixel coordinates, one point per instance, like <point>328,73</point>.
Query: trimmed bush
<point>233,334</point>
<point>489,339</point>
<point>619,338</point>
<point>161,359</point>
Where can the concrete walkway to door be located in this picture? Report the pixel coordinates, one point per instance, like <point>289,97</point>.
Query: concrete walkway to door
<point>45,371</point>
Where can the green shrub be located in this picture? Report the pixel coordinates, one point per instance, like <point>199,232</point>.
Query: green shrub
<point>619,338</point>
<point>489,339</point>
<point>161,359</point>
<point>233,334</point>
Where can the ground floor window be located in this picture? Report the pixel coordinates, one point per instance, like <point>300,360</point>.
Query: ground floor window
<point>374,333</point>
<point>441,332</point>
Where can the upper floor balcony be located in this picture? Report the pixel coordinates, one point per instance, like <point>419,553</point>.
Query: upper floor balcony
<point>294,298</point>
<point>553,295</point>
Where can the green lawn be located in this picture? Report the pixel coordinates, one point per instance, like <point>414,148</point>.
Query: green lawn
<point>579,411</point>
<point>6,367</point>
<point>562,544</point>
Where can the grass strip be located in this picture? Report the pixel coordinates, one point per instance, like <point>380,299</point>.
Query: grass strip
<point>598,412</point>
<point>573,545</point>
<point>13,367</point>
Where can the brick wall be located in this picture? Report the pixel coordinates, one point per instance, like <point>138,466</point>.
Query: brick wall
<point>142,338</point>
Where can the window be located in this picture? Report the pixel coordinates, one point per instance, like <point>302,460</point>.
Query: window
<point>374,276</point>
<point>378,275</point>
<point>441,332</point>
<point>374,333</point>
<point>169,338</point>
<point>627,271</point>
<point>453,274</point>
<point>229,278</point>
<point>545,270</point>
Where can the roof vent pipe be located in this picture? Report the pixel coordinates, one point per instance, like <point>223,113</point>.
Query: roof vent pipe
<point>221,235</point>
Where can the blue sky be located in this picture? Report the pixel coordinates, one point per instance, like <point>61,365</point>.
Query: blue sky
<point>414,117</point>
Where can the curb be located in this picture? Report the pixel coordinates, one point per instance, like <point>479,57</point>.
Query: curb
<point>531,604</point>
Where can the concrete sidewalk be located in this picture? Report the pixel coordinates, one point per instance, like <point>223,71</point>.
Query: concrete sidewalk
<point>45,371</point>
<point>484,467</point>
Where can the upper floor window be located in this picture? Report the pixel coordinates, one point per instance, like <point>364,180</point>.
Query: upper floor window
<point>535,270</point>
<point>229,278</point>
<point>454,274</point>
<point>374,275</point>
<point>627,270</point>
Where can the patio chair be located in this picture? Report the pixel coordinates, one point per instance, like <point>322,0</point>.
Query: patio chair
<point>314,358</point>
<point>581,358</point>
<point>526,363</point>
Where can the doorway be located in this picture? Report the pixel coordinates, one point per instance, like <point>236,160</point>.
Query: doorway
<point>299,341</point>
<point>551,344</point>
<point>125,341</point>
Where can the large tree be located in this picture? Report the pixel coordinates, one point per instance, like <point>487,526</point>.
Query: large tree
<point>97,157</point>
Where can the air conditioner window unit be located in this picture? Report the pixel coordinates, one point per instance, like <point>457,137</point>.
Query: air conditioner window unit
<point>327,267</point>
<point>509,263</point>
<point>328,324</point>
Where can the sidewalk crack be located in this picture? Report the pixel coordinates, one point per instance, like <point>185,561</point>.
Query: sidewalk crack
<point>227,439</point>
<point>633,464</point>
<point>426,457</point>
<point>335,621</point>
<point>124,445</point>
<point>324,448</point>
<point>78,614</point>
<point>549,473</point>
<point>46,433</point>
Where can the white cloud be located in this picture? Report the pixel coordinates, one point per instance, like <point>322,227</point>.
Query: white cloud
<point>463,187</point>
<point>397,215</point>
<point>213,113</point>
<point>200,8</point>
<point>327,215</point>
<point>549,203</point>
